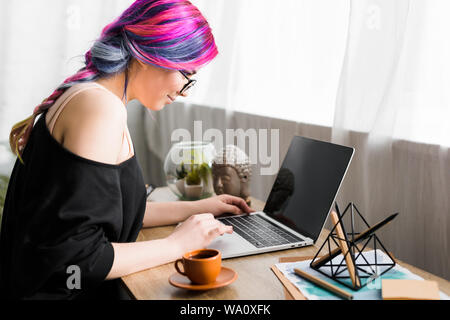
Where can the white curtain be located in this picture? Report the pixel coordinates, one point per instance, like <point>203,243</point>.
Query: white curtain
<point>288,59</point>
<point>273,55</point>
<point>41,44</point>
<point>393,106</point>
<point>372,74</point>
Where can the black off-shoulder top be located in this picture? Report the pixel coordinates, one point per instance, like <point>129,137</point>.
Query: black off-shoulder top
<point>61,214</point>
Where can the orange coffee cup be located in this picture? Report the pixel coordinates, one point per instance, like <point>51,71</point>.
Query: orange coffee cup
<point>201,266</point>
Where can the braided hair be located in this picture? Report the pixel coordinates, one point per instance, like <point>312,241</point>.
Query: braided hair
<point>170,34</point>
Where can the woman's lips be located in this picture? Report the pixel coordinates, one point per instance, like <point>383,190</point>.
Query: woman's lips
<point>171,99</point>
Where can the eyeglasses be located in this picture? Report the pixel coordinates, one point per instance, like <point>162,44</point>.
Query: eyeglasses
<point>188,85</point>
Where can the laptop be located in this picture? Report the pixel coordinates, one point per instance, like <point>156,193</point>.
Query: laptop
<point>298,205</point>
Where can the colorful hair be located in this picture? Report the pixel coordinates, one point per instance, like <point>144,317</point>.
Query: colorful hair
<point>170,34</point>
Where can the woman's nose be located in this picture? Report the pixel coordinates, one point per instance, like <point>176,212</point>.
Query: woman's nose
<point>219,183</point>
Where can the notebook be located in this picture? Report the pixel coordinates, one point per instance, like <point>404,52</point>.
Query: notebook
<point>394,289</point>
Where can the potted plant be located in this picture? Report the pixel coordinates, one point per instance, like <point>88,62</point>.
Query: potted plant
<point>192,157</point>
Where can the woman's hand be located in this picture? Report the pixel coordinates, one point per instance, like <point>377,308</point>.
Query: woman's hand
<point>197,232</point>
<point>224,203</point>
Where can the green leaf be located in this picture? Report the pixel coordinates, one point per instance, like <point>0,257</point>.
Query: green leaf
<point>204,171</point>
<point>4,180</point>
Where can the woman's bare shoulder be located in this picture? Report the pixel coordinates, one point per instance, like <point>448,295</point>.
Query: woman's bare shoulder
<point>93,125</point>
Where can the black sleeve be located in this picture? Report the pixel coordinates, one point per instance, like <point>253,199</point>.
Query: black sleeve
<point>74,217</point>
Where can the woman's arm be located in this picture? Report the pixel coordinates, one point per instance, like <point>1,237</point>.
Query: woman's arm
<point>196,232</point>
<point>136,256</point>
<point>167,213</point>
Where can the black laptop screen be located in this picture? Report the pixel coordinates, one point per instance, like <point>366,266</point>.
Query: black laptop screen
<point>307,184</point>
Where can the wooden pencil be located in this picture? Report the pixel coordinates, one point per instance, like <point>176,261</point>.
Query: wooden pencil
<point>323,284</point>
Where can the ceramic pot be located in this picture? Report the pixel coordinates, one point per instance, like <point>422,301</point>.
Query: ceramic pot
<point>180,186</point>
<point>193,191</point>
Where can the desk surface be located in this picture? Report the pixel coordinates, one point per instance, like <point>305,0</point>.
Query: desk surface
<point>255,279</point>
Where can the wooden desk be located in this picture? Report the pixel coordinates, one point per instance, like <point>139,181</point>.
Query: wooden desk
<point>255,279</point>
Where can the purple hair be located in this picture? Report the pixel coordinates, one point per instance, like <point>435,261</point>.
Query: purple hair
<point>170,34</point>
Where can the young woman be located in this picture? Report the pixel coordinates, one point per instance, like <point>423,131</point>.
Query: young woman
<point>76,199</point>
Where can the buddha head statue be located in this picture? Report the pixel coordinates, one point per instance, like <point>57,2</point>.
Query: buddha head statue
<point>231,171</point>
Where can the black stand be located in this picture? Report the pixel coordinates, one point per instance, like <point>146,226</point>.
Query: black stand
<point>363,270</point>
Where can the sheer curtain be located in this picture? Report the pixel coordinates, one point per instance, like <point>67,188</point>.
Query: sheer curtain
<point>274,55</point>
<point>393,106</point>
<point>372,74</point>
<point>41,44</point>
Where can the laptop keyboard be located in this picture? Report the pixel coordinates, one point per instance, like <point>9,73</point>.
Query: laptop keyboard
<point>259,231</point>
